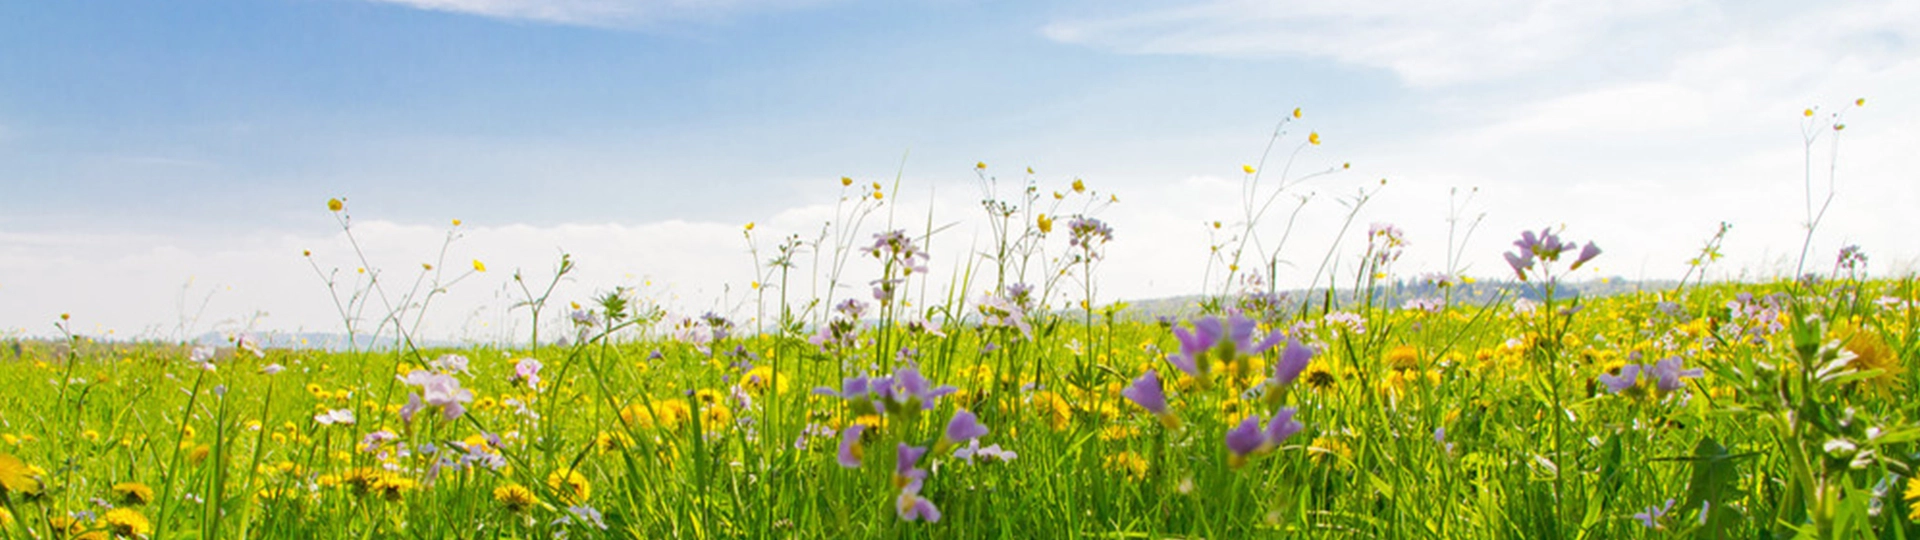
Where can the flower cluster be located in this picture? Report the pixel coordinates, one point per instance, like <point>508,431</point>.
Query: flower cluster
<point>1545,246</point>
<point>437,391</point>
<point>896,248</point>
<point>903,396</point>
<point>1229,341</point>
<point>1664,377</point>
<point>1083,232</point>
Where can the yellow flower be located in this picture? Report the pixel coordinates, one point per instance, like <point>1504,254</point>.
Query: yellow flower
<point>980,166</point>
<point>17,477</point>
<point>479,266</point>
<point>1403,358</point>
<point>749,225</point>
<point>126,522</point>
<point>1319,377</point>
<point>1861,102</point>
<point>336,205</point>
<point>198,454</point>
<point>1248,168</point>
<point>1052,409</point>
<point>1128,463</point>
<point>456,222</point>
<point>637,415</point>
<point>1296,112</point>
<point>133,493</point>
<point>844,182</point>
<point>1313,137</point>
<point>6,517</point>
<point>670,413</point>
<point>760,378</point>
<point>514,497</point>
<point>1045,223</point>
<point>1913,499</point>
<point>570,485</point>
<point>1079,186</point>
<point>391,486</point>
<point>716,417</point>
<point>1807,113</point>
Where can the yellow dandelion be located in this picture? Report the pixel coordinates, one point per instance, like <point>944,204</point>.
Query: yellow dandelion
<point>669,414</point>
<point>570,485</point>
<point>761,378</point>
<point>637,415</point>
<point>1052,409</point>
<point>198,454</point>
<point>514,497</point>
<point>1128,463</point>
<point>1318,377</point>
<point>133,493</point>
<point>1403,358</point>
<point>1871,352</point>
<point>1913,499</point>
<point>17,477</point>
<point>126,522</point>
<point>336,205</point>
<point>716,417</point>
<point>391,486</point>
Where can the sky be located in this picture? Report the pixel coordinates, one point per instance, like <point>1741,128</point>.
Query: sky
<point>165,165</point>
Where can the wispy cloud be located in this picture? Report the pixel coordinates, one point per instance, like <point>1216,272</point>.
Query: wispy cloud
<point>1430,44</point>
<point>607,13</point>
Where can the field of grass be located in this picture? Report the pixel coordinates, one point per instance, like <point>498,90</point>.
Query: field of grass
<point>1398,407</point>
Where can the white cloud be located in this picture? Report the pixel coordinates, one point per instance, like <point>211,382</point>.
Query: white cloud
<point>611,13</point>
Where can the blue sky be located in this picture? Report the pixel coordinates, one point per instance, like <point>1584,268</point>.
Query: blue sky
<point>152,148</point>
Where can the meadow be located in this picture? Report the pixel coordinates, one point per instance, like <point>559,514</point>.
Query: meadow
<point>1378,405</point>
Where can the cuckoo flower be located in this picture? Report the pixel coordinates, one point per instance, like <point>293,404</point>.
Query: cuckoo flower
<point>1292,362</point>
<point>437,391</point>
<point>850,449</point>
<point>1248,439</point>
<point>907,391</point>
<point>962,428</point>
<point>1213,338</point>
<point>1666,375</point>
<point>1145,392</point>
<point>1625,381</point>
<point>906,473</point>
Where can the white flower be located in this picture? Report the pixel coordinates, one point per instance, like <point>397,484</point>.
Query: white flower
<point>342,417</point>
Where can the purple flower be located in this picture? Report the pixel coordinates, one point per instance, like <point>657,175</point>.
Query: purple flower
<point>1292,361</point>
<point>973,450</point>
<point>908,390</point>
<point>911,506</point>
<point>1145,392</point>
<point>1229,339</point>
<point>1628,377</point>
<point>1281,427</point>
<point>906,475</point>
<point>1666,374</point>
<point>528,370</point>
<point>963,427</point>
<point>1245,439</point>
<point>1586,254</point>
<point>1651,517</point>
<point>1520,263</point>
<point>437,391</point>
<point>850,449</point>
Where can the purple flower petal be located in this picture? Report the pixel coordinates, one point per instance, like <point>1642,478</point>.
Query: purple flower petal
<point>1145,392</point>
<point>1293,361</point>
<point>1246,438</point>
<point>850,449</point>
<point>1282,426</point>
<point>964,426</point>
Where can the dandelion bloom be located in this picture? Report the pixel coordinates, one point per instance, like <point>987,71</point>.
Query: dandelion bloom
<point>17,477</point>
<point>126,523</point>
<point>133,493</point>
<point>569,485</point>
<point>514,497</point>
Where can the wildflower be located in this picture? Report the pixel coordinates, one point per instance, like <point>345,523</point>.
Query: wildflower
<point>906,472</point>
<point>527,370</point>
<point>569,485</point>
<point>1227,340</point>
<point>586,515</point>
<point>272,369</point>
<point>450,363</point>
<point>391,486</point>
<point>1250,439</point>
<point>1044,223</point>
<point>343,417</point>
<point>851,451</point>
<point>126,522</point>
<point>1912,497</point>
<point>1082,231</point>
<point>1666,374</point>
<point>336,205</point>
<point>1586,254</point>
<point>1246,168</point>
<point>907,390</point>
<point>1651,517</point>
<point>1128,463</point>
<point>1079,186</point>
<point>963,427</point>
<point>1052,409</point>
<point>911,506</point>
<point>479,266</point>
<point>974,450</point>
<point>1293,361</point>
<point>442,392</point>
<point>17,477</point>
<point>514,497</point>
<point>1145,392</point>
<point>1296,113</point>
<point>133,493</point>
<point>1313,137</point>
